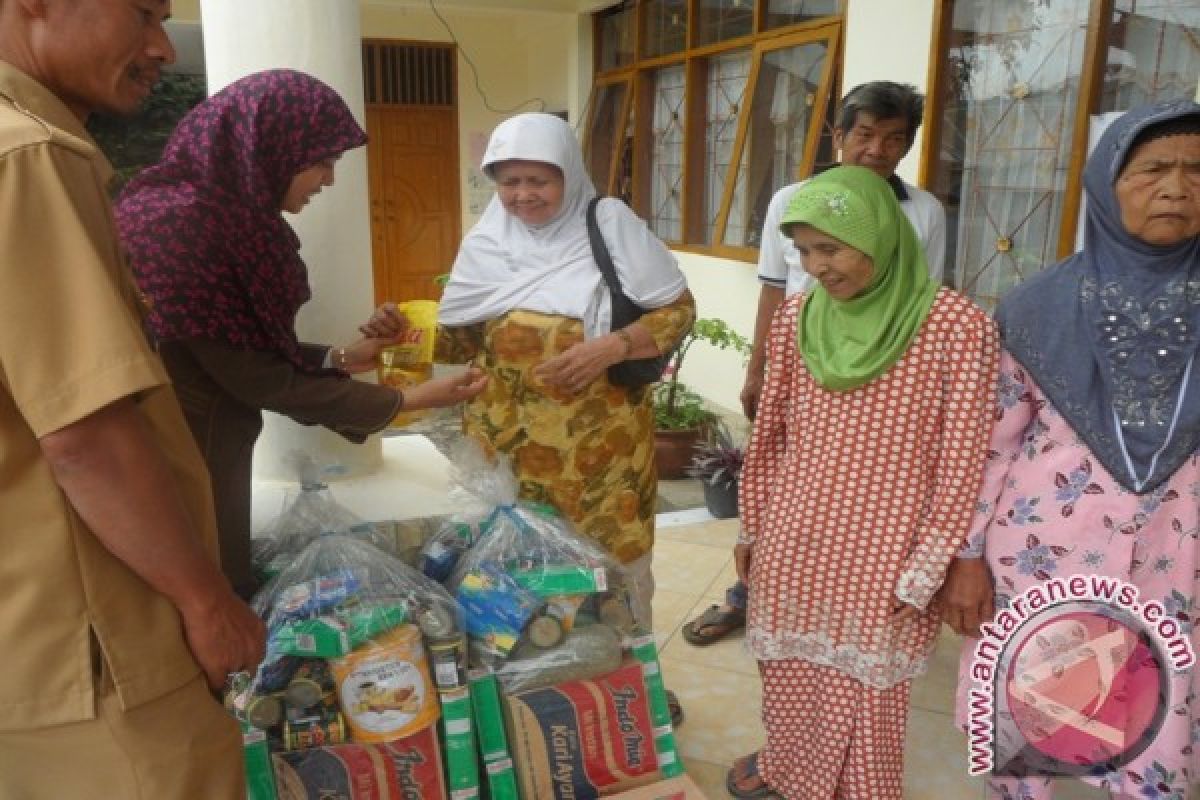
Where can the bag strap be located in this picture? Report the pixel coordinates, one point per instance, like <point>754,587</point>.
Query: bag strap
<point>600,249</point>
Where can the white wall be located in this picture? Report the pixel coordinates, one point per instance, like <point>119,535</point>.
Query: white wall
<point>889,40</point>
<point>728,290</point>
<point>521,58</point>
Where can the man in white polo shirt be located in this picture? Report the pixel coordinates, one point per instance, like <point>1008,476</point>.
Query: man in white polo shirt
<point>876,128</point>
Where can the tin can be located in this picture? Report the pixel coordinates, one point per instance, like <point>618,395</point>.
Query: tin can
<point>326,706</point>
<point>448,659</point>
<point>615,612</point>
<point>264,711</point>
<point>385,689</point>
<point>446,646</point>
<point>275,675</point>
<point>311,682</point>
<point>545,631</point>
<point>314,731</point>
<point>303,693</point>
<point>437,622</point>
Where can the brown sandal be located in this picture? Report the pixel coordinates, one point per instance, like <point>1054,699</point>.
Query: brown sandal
<point>747,767</point>
<point>713,625</point>
<point>675,709</point>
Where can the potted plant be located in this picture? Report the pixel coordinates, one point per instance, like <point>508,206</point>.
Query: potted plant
<point>717,462</point>
<point>680,416</point>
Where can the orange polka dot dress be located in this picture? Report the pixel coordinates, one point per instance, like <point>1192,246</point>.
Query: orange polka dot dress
<point>854,502</point>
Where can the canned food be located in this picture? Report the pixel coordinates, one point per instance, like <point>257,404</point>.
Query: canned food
<point>327,705</point>
<point>264,711</point>
<point>311,682</point>
<point>275,675</point>
<point>437,622</point>
<point>315,731</point>
<point>448,657</point>
<point>385,689</point>
<point>303,693</point>
<point>615,612</point>
<point>545,631</point>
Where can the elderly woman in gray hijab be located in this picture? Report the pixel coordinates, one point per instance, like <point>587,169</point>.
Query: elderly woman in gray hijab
<point>1093,470</point>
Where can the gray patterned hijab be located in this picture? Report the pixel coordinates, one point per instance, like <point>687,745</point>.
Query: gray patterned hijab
<point>1110,334</point>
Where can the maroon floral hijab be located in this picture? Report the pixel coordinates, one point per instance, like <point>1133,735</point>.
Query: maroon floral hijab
<point>203,228</point>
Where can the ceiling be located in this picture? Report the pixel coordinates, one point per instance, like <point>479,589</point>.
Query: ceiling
<point>552,6</point>
<point>188,41</point>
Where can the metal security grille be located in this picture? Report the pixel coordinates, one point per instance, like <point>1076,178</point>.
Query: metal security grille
<point>408,74</point>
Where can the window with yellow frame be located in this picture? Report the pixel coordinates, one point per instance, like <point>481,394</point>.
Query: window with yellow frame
<point>702,109</point>
<point>1019,90</point>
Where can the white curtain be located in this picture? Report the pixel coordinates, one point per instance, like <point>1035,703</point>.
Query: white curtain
<point>666,218</point>
<point>1019,87</point>
<point>727,76</point>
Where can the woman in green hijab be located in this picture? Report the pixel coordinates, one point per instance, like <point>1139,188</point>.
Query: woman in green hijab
<point>857,491</point>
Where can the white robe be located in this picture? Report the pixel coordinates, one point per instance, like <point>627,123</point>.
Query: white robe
<point>504,264</point>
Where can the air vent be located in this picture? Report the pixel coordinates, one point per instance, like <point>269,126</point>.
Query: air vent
<point>408,74</point>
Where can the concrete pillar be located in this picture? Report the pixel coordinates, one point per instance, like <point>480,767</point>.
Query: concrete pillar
<point>579,74</point>
<point>322,38</point>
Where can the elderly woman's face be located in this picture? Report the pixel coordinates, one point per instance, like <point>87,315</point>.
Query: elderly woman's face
<point>1158,191</point>
<point>532,191</point>
<point>844,271</point>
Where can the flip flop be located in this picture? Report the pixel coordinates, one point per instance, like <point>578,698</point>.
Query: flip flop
<point>760,792</point>
<point>675,708</point>
<point>713,625</point>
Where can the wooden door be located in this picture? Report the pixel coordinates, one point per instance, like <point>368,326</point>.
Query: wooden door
<point>415,213</point>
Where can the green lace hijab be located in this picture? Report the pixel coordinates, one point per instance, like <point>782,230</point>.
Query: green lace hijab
<point>848,343</point>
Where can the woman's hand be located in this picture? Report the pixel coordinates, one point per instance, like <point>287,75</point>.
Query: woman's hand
<point>966,596</point>
<point>577,366</point>
<point>361,356</point>
<point>741,561</point>
<point>902,610</point>
<point>385,323</point>
<point>441,392</point>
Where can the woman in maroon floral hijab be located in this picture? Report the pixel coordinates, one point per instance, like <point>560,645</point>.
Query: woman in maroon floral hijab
<point>221,272</point>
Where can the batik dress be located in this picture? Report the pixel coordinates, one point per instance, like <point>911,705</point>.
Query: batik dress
<point>853,501</point>
<point>590,455</point>
<point>1049,509</point>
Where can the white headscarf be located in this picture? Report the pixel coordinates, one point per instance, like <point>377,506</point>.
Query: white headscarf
<point>504,264</point>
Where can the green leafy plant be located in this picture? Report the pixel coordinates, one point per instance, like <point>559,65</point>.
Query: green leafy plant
<point>676,407</point>
<point>718,459</point>
<point>135,142</point>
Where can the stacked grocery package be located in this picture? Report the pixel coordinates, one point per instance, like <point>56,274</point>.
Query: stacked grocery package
<point>365,658</point>
<point>365,691</point>
<point>565,683</point>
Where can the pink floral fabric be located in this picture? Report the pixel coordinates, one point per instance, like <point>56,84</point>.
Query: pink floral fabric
<point>1048,508</point>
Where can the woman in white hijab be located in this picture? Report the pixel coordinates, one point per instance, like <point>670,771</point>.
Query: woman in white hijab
<point>527,303</point>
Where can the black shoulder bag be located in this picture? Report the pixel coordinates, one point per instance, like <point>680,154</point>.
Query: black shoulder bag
<point>632,372</point>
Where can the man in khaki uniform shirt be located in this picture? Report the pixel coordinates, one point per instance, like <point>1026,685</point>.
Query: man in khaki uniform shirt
<point>114,617</point>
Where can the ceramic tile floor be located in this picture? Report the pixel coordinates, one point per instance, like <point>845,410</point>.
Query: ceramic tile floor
<point>719,688</point>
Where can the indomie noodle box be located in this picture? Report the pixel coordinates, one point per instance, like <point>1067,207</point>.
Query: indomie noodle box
<point>581,739</point>
<point>401,770</point>
<point>410,362</point>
